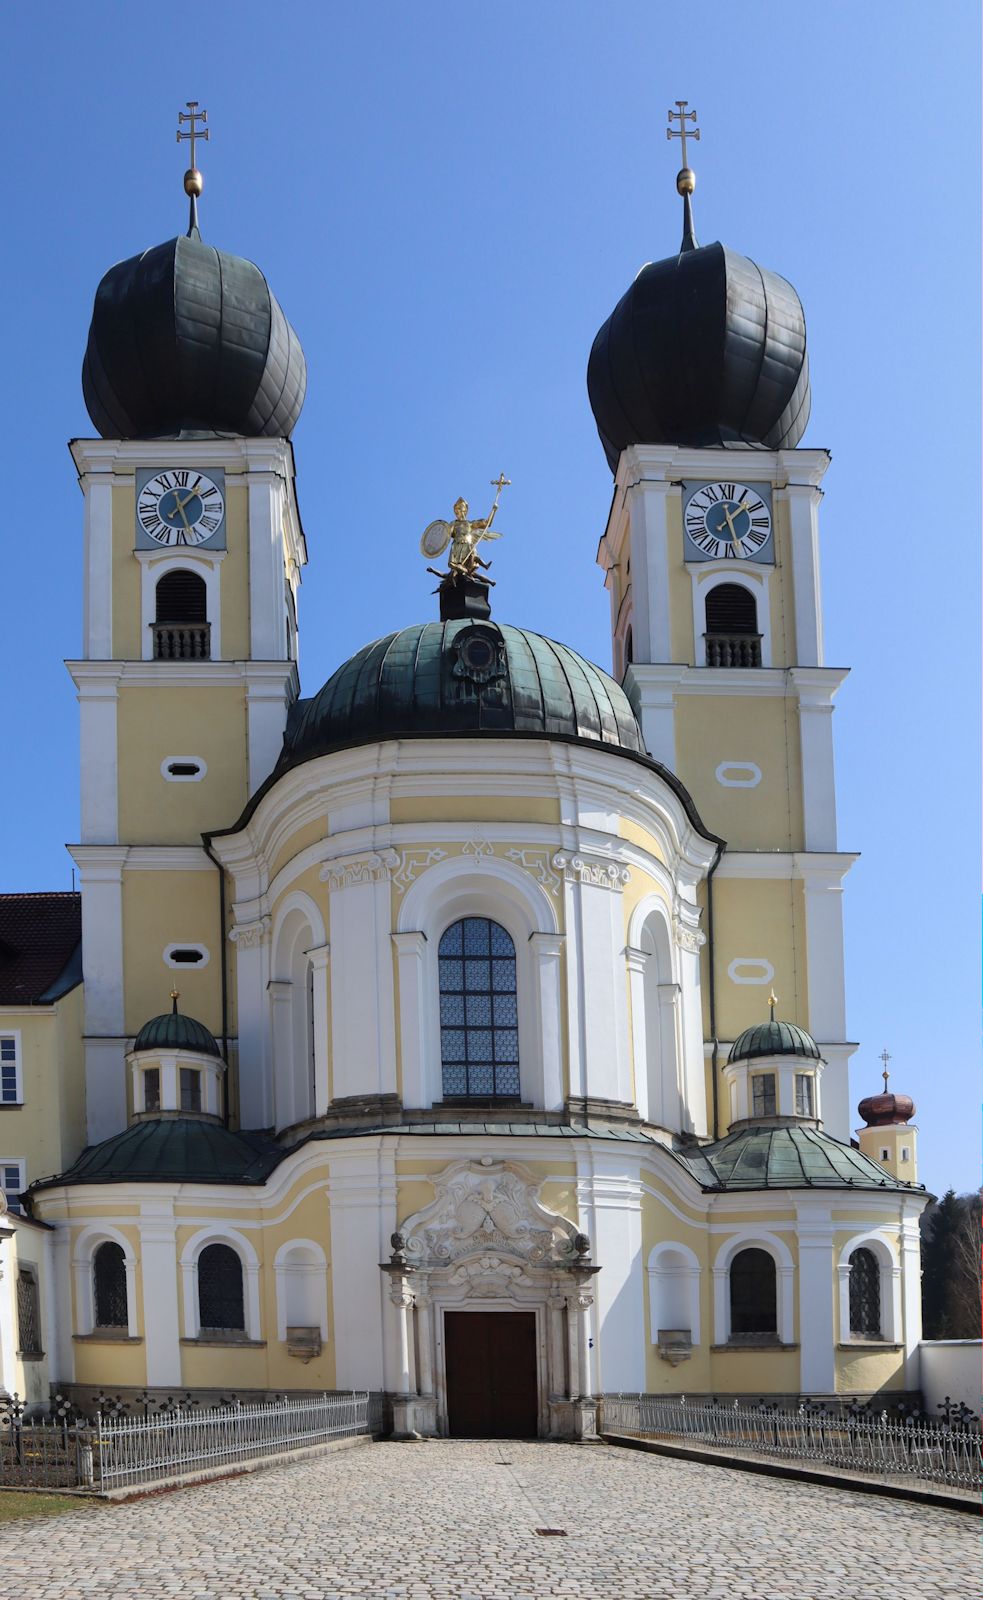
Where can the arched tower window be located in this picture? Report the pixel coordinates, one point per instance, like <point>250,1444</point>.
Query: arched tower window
<point>109,1286</point>
<point>732,637</point>
<point>753,1294</point>
<point>479,1020</point>
<point>181,630</point>
<point>865,1293</point>
<point>220,1299</point>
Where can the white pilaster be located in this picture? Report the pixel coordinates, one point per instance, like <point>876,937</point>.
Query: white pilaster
<point>610,1195</point>
<point>363,1047</point>
<point>911,1291</point>
<point>547,948</point>
<point>98,691</point>
<point>649,531</point>
<point>362,1200</point>
<point>803,501</point>
<point>816,1278</point>
<point>101,874</point>
<point>410,948</point>
<point>158,1260</point>
<point>252,947</point>
<point>280,992</point>
<point>319,959</point>
<point>815,690</point>
<point>637,961</point>
<point>652,689</point>
<point>97,587</point>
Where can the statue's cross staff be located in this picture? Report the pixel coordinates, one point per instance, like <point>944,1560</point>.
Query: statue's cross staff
<point>498,484</point>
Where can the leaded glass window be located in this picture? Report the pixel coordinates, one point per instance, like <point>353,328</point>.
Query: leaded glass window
<point>220,1303</point>
<point>190,1089</point>
<point>151,1089</point>
<point>479,1019</point>
<point>804,1101</point>
<point>865,1294</point>
<point>753,1295</point>
<point>763,1099</point>
<point>109,1284</point>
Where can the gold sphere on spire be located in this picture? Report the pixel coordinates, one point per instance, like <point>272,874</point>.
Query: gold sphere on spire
<point>685,180</point>
<point>193,182</point>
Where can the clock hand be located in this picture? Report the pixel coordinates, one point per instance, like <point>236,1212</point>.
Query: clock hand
<point>735,541</point>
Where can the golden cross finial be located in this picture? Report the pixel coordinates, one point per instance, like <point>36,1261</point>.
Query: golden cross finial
<point>501,482</point>
<point>885,1057</point>
<point>192,115</point>
<point>773,1001</point>
<point>683,133</point>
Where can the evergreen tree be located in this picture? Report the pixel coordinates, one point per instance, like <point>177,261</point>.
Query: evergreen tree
<point>940,1225</point>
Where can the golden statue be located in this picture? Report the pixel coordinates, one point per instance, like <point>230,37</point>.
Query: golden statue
<point>463,535</point>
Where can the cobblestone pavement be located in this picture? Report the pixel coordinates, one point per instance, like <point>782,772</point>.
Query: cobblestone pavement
<point>457,1520</point>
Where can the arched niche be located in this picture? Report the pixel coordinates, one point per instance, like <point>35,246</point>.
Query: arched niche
<point>298,1002</point>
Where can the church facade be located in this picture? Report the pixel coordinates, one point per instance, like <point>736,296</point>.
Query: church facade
<point>418,1035</point>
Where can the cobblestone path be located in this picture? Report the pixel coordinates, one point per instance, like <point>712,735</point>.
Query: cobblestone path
<point>457,1519</point>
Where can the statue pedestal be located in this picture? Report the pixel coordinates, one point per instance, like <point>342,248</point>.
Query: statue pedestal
<point>468,597</point>
<point>414,1416</point>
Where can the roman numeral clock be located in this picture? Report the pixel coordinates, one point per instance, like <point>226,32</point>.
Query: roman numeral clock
<point>180,506</point>
<point>727,521</point>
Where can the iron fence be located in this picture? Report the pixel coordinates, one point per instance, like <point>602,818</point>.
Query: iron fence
<point>170,1439</point>
<point>946,1451</point>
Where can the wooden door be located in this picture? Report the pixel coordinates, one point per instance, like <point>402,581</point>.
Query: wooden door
<point>490,1362</point>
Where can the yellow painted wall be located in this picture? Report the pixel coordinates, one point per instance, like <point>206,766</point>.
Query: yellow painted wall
<point>754,1372</point>
<point>869,1371</point>
<point>765,730</point>
<point>475,808</point>
<point>645,841</point>
<point>301,839</point>
<point>893,1139</point>
<point>762,919</point>
<point>178,720</point>
<point>48,1130</point>
<point>162,908</point>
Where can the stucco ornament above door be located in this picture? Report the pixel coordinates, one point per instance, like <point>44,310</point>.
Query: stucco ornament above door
<point>488,1208</point>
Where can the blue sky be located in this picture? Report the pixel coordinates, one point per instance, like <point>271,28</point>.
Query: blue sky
<point>448,199</point>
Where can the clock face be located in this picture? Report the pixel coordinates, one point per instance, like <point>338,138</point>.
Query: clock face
<point>727,520</point>
<point>180,506</point>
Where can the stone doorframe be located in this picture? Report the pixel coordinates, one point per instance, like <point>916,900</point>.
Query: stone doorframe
<point>486,1239</point>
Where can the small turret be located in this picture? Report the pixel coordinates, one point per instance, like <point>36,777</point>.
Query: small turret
<point>889,1137</point>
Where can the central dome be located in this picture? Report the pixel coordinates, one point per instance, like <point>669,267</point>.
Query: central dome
<point>462,678</point>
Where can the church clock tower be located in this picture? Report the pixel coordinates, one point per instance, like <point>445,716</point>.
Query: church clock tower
<point>193,550</point>
<point>699,383</point>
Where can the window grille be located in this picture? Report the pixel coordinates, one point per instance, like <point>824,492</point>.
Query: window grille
<point>220,1303</point>
<point>732,637</point>
<point>753,1294</point>
<point>9,1086</point>
<point>12,1183</point>
<point>479,1020</point>
<point>865,1294</point>
<point>804,1102</point>
<point>190,1089</point>
<point>151,1089</point>
<point>181,597</point>
<point>28,1314</point>
<point>109,1283</point>
<point>763,1098</point>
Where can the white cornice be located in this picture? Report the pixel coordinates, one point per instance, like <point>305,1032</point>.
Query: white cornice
<point>825,865</point>
<point>272,677</point>
<point>122,456</point>
<point>810,685</point>
<point>668,462</point>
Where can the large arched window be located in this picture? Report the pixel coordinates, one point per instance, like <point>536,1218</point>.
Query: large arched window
<point>732,636</point>
<point>479,1021</point>
<point>753,1296</point>
<point>181,617</point>
<point>865,1293</point>
<point>220,1299</point>
<point>109,1286</point>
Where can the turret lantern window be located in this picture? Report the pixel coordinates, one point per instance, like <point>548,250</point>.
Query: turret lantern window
<point>190,1089</point>
<point>109,1285</point>
<point>865,1294</point>
<point>804,1096</point>
<point>764,1102</point>
<point>479,1022</point>
<point>151,1089</point>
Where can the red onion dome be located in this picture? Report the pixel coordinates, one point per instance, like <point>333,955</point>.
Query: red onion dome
<point>886,1110</point>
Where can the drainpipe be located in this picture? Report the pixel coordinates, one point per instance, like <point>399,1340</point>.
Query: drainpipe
<point>225,975</point>
<point>712,987</point>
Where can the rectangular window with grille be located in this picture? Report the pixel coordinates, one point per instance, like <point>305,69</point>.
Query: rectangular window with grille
<point>13,1181</point>
<point>803,1095</point>
<point>10,1084</point>
<point>28,1315</point>
<point>764,1102</point>
<point>190,1089</point>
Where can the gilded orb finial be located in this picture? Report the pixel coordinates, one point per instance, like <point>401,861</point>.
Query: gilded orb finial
<point>685,177</point>
<point>175,997</point>
<point>193,180</point>
<point>885,1057</point>
<point>772,1002</point>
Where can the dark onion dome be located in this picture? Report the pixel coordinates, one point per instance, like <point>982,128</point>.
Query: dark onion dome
<point>174,1031</point>
<point>785,1158</point>
<point>886,1110</point>
<point>461,678</point>
<point>705,349</point>
<point>187,339</point>
<point>774,1039</point>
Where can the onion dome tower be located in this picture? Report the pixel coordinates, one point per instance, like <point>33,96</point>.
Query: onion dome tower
<point>889,1135</point>
<point>773,1074</point>
<point>705,349</point>
<point>176,1067</point>
<point>188,340</point>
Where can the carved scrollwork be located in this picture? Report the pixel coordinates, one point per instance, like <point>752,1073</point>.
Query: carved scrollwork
<point>537,863</point>
<point>370,867</point>
<point>598,871</point>
<point>686,931</point>
<point>247,935</point>
<point>412,862</point>
<point>491,1209</point>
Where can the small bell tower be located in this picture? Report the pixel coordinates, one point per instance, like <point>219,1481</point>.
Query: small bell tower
<point>193,550</point>
<point>889,1136</point>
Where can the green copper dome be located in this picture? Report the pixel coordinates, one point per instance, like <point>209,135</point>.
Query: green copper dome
<point>785,1158</point>
<point>774,1039</point>
<point>174,1150</point>
<point>175,1031</point>
<point>462,678</point>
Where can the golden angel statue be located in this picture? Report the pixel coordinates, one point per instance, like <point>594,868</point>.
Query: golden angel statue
<point>463,535</point>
